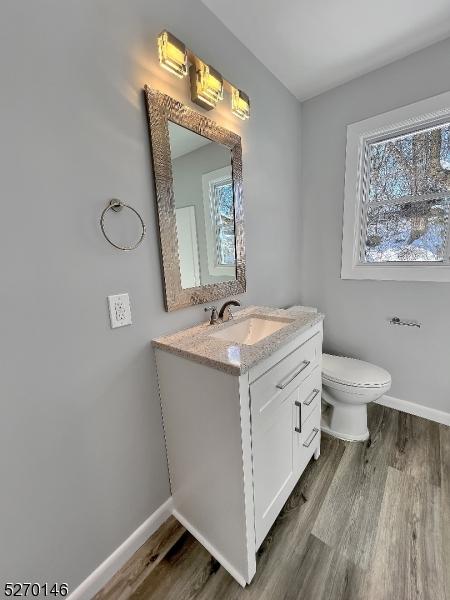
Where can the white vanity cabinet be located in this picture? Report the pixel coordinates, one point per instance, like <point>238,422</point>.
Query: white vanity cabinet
<point>237,444</point>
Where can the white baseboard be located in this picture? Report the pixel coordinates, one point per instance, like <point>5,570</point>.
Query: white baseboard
<point>103,573</point>
<point>198,536</point>
<point>416,409</point>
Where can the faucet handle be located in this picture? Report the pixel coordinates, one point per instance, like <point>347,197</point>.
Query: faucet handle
<point>214,315</point>
<point>229,312</point>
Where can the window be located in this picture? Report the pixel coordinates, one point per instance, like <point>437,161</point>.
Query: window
<point>408,196</point>
<point>397,195</point>
<point>218,201</point>
<point>221,198</point>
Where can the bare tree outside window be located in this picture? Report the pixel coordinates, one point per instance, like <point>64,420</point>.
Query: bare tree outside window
<point>224,217</point>
<point>407,202</point>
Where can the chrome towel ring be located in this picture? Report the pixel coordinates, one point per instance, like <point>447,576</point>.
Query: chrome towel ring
<point>116,206</point>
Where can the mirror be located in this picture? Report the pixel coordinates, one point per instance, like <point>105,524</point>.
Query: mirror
<point>197,168</point>
<point>204,208</point>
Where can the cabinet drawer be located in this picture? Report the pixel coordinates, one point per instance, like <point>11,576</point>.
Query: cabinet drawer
<point>283,377</point>
<point>306,442</point>
<point>310,394</point>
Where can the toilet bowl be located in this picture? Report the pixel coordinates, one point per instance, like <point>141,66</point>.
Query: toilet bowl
<point>348,385</point>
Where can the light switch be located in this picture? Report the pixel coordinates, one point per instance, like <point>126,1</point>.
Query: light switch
<point>119,310</point>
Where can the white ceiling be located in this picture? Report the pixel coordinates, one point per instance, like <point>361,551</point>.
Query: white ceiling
<point>314,45</point>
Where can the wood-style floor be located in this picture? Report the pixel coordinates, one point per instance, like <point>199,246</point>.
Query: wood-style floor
<point>367,521</point>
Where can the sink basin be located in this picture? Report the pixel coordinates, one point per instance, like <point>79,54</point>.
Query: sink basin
<point>251,330</point>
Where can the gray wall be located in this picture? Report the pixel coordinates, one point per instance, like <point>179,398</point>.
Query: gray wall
<point>187,172</point>
<point>357,311</point>
<point>82,458</point>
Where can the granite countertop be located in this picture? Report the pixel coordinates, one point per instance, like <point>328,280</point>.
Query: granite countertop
<point>197,344</point>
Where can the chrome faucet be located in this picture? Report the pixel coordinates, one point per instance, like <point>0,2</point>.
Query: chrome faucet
<point>225,313</point>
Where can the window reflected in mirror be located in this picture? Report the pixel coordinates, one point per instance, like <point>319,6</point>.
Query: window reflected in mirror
<point>204,208</point>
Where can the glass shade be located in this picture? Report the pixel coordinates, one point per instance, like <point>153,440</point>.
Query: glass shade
<point>172,54</point>
<point>206,85</point>
<point>240,104</point>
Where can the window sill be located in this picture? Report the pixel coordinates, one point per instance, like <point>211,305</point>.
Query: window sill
<point>438,273</point>
<point>222,271</point>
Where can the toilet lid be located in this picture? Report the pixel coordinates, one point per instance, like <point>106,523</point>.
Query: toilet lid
<point>353,372</point>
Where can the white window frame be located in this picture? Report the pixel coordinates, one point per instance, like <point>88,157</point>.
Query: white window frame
<point>208,180</point>
<point>426,113</point>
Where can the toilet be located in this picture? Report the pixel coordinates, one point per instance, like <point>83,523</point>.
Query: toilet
<point>348,385</point>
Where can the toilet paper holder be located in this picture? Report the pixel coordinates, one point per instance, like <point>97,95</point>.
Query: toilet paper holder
<point>398,321</point>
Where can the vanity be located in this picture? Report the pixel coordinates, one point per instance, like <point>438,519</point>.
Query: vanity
<point>240,399</point>
<point>241,410</point>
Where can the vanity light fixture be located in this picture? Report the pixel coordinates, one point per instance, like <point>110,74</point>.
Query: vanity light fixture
<point>207,84</point>
<point>240,104</point>
<point>172,54</point>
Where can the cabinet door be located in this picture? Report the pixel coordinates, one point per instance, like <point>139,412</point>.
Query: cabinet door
<point>273,459</point>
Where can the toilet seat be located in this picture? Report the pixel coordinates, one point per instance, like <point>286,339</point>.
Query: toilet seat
<point>356,392</point>
<point>340,371</point>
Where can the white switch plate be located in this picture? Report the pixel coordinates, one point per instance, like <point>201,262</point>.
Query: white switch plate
<point>119,310</point>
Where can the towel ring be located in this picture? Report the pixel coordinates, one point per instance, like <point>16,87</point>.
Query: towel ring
<point>116,206</point>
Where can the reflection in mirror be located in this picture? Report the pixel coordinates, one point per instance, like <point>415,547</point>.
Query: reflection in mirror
<point>204,208</point>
